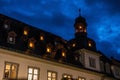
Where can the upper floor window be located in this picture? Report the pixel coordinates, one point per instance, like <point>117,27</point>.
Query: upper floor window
<point>67,76</point>
<point>73,45</point>
<point>6,24</point>
<point>107,67</point>
<point>41,36</point>
<point>11,37</point>
<point>92,62</point>
<point>89,43</point>
<point>102,66</point>
<point>81,78</point>
<point>49,48</point>
<point>51,75</point>
<point>11,70</point>
<point>25,32</point>
<point>32,43</point>
<point>33,73</point>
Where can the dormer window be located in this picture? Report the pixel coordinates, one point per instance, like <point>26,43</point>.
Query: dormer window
<point>41,36</point>
<point>48,49</point>
<point>63,54</point>
<point>32,43</point>
<point>90,44</point>
<point>11,37</point>
<point>25,32</point>
<point>6,24</point>
<point>73,45</point>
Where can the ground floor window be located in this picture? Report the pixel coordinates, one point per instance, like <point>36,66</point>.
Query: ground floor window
<point>11,70</point>
<point>33,73</point>
<point>51,75</point>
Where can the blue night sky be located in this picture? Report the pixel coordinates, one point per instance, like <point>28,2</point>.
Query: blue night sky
<point>57,17</point>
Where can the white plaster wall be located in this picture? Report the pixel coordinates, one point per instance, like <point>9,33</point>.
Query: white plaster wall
<point>96,57</point>
<point>25,62</point>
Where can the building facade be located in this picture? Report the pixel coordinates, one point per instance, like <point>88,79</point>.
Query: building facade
<point>28,53</point>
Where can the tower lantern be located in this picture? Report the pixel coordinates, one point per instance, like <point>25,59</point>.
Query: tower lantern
<point>80,26</point>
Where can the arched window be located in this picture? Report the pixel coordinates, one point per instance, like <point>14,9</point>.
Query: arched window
<point>11,37</point>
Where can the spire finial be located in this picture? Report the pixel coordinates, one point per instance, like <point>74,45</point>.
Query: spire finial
<point>79,12</point>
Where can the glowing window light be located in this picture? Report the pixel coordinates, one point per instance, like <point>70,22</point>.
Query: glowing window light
<point>41,38</point>
<point>31,44</point>
<point>73,44</point>
<point>63,54</point>
<point>25,32</point>
<point>48,50</point>
<point>89,44</point>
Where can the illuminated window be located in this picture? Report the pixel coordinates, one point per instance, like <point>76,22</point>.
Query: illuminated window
<point>92,62</point>
<point>25,32</point>
<point>63,54</point>
<point>81,78</point>
<point>31,44</point>
<point>48,49</point>
<point>90,44</point>
<point>11,70</point>
<point>33,73</point>
<point>41,38</point>
<point>51,75</point>
<point>73,44</point>
<point>11,37</point>
<point>80,27</point>
<point>7,24</point>
<point>67,76</point>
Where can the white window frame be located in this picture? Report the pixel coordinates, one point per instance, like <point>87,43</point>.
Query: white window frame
<point>8,72</point>
<point>51,76</point>
<point>33,73</point>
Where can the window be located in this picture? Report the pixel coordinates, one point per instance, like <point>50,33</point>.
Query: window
<point>33,73</point>
<point>41,36</point>
<point>90,44</point>
<point>107,67</point>
<point>7,24</point>
<point>73,45</point>
<point>32,43</point>
<point>51,75</point>
<point>25,32</point>
<point>102,66</point>
<point>81,78</point>
<point>92,62</point>
<point>67,76</point>
<point>11,37</point>
<point>11,70</point>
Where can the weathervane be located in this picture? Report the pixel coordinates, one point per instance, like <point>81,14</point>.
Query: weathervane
<point>79,12</point>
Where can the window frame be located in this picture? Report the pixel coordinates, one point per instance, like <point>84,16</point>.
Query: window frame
<point>38,75</point>
<point>81,78</point>
<point>11,63</point>
<point>51,74</point>
<point>67,75</point>
<point>92,62</point>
